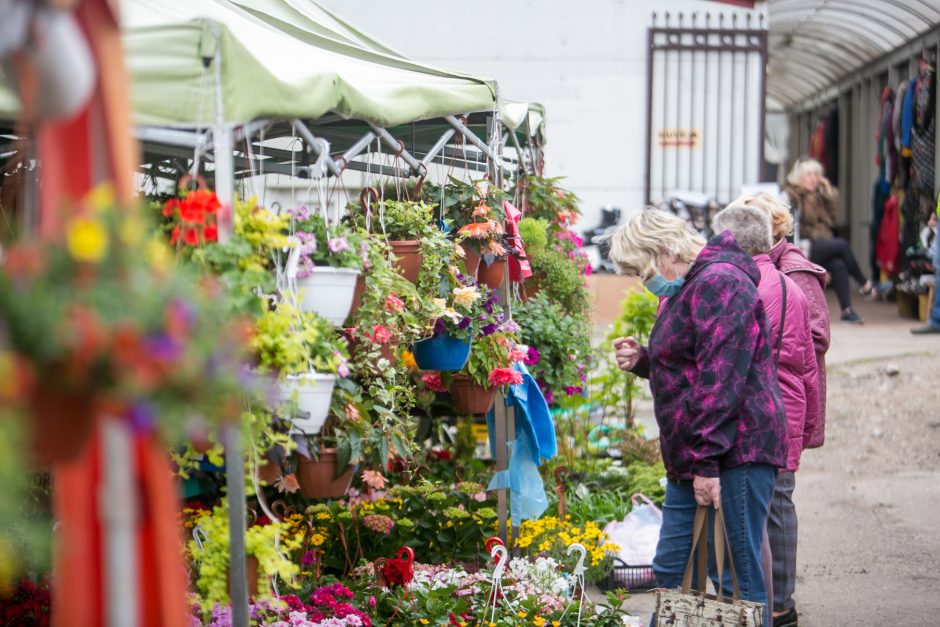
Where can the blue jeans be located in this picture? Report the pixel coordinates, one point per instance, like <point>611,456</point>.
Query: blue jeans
<point>745,498</point>
<point>934,319</point>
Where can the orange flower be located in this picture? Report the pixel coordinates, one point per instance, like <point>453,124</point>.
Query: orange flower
<point>481,210</point>
<point>478,230</point>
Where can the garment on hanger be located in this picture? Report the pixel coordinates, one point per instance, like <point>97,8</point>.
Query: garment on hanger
<point>817,144</point>
<point>887,153</point>
<point>897,107</point>
<point>887,246</point>
<point>831,143</point>
<point>907,117</point>
<point>923,140</point>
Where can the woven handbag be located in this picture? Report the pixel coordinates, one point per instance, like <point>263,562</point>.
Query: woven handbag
<point>685,607</point>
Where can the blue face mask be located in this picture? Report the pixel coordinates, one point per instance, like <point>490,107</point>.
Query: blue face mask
<point>663,288</point>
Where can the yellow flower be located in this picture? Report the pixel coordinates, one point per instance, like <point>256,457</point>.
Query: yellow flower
<point>100,197</point>
<point>538,621</point>
<point>424,621</point>
<point>408,360</point>
<point>317,539</point>
<point>521,614</point>
<point>323,516</point>
<point>158,255</point>
<point>555,623</point>
<point>87,240</point>
<point>439,306</point>
<point>465,296</point>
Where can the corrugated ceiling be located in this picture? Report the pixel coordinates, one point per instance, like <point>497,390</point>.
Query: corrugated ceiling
<point>814,43</point>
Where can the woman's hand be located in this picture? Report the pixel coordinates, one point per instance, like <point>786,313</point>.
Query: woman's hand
<point>707,490</point>
<point>627,352</point>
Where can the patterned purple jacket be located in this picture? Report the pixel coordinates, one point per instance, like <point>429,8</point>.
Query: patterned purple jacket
<point>711,369</point>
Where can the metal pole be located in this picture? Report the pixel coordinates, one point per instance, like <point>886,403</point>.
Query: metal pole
<point>437,147</point>
<point>119,512</point>
<point>317,145</point>
<point>473,139</point>
<point>399,148</point>
<point>235,485</point>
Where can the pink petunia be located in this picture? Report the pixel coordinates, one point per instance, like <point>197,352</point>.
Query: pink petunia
<point>504,376</point>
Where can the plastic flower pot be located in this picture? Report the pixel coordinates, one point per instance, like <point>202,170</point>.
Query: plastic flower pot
<point>492,275</point>
<point>408,258</point>
<point>469,397</point>
<point>317,477</point>
<point>314,392</point>
<point>441,352</point>
<point>328,292</point>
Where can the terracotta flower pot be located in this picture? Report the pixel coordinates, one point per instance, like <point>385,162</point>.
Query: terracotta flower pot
<point>62,423</point>
<point>532,286</point>
<point>409,257</point>
<point>268,473</point>
<point>492,275</point>
<point>470,397</point>
<point>471,259</point>
<point>317,477</point>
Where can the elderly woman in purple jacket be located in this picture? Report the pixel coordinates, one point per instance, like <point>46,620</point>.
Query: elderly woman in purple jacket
<point>722,427</point>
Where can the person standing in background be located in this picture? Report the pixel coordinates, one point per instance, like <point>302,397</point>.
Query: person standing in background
<point>815,198</point>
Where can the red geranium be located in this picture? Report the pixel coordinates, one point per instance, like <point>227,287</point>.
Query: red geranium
<point>197,215</point>
<point>432,381</point>
<point>398,572</point>
<point>505,376</point>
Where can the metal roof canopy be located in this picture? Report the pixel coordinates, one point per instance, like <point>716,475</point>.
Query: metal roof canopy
<point>815,45</point>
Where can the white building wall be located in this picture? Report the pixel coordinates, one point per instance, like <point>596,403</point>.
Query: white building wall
<point>584,60</point>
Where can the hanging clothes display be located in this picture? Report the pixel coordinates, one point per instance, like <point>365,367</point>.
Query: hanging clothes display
<point>831,143</point>
<point>817,144</point>
<point>887,156</point>
<point>923,136</point>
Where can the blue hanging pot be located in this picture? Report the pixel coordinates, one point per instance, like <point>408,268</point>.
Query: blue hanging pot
<point>442,352</point>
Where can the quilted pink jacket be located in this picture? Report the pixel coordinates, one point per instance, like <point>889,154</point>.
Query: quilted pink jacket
<point>811,279</point>
<point>796,368</point>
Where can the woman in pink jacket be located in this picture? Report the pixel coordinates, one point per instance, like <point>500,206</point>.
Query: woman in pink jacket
<point>787,311</point>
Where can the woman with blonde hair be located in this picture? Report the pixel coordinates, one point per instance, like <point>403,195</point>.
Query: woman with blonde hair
<point>722,426</point>
<point>815,198</point>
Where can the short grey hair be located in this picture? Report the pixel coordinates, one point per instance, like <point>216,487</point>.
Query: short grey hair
<point>750,226</point>
<point>804,166</point>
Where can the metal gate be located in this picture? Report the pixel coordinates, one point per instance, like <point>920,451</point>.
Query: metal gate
<point>706,86</point>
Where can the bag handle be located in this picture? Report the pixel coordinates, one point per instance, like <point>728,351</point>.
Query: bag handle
<point>700,542</point>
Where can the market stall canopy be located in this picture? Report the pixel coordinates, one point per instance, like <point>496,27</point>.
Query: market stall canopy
<point>308,21</point>
<point>179,51</point>
<point>813,44</point>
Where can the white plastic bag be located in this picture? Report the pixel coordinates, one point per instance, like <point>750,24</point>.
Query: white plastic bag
<point>638,533</point>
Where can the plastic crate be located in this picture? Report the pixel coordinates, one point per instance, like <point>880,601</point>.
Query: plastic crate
<point>629,577</point>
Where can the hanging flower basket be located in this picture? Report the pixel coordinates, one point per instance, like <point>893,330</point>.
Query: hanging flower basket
<point>328,292</point>
<point>492,274</point>
<point>470,397</point>
<point>317,477</point>
<point>62,422</point>
<point>314,392</point>
<point>408,257</point>
<point>442,352</point>
<point>471,259</point>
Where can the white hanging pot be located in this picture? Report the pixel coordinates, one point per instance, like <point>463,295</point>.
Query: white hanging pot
<point>328,292</point>
<point>313,394</point>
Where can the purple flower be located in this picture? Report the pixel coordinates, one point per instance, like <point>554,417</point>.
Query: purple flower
<point>532,357</point>
<point>464,323</point>
<point>549,397</point>
<point>142,418</point>
<point>163,348</point>
<point>509,326</point>
<point>488,329</point>
<point>301,213</point>
<point>338,244</point>
<point>572,390</point>
<point>309,558</point>
<point>439,326</point>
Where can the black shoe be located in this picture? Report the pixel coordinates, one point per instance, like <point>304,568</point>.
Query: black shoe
<point>786,620</point>
<point>849,315</point>
<point>925,330</point>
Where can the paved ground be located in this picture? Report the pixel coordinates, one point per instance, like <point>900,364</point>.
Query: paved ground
<point>869,500</point>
